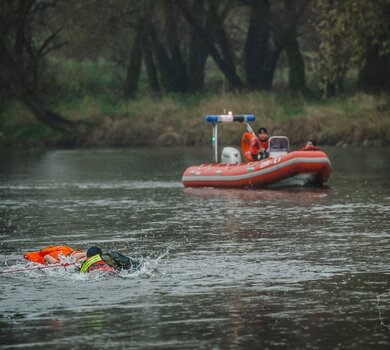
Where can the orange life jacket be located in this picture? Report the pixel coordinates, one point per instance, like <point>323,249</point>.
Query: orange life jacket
<point>245,145</point>
<point>256,146</point>
<point>52,250</point>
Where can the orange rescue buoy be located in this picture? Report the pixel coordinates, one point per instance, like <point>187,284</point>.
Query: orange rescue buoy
<point>53,251</point>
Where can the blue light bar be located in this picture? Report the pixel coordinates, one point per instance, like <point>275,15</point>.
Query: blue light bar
<point>229,118</point>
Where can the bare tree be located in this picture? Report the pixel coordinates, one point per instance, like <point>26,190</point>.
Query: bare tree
<point>24,44</point>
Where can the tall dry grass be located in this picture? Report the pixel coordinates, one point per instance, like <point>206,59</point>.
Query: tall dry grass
<point>179,120</point>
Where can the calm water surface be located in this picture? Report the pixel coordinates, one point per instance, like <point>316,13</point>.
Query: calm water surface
<point>222,269</point>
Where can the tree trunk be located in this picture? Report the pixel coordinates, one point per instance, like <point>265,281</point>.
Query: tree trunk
<point>163,64</point>
<point>260,60</point>
<point>256,50</point>
<point>215,26</point>
<point>46,116</point>
<point>150,65</point>
<point>28,94</point>
<point>167,53</point>
<point>374,75</point>
<point>269,70</point>
<point>197,54</point>
<point>296,74</point>
<point>197,58</point>
<point>178,69</point>
<point>134,68</point>
<point>214,37</point>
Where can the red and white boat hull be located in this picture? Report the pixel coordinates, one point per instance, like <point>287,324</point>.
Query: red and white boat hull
<point>298,168</point>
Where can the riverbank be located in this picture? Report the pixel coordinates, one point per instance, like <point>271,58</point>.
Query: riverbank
<point>178,120</point>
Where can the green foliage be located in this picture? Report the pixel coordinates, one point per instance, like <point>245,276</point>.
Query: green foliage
<point>19,127</point>
<point>74,79</point>
<point>346,29</point>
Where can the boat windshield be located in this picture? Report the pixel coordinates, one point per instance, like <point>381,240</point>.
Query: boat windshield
<point>279,144</point>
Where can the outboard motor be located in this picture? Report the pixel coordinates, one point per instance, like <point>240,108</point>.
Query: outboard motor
<point>230,155</point>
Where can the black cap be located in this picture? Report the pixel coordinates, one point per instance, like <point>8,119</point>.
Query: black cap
<point>262,130</point>
<point>93,251</point>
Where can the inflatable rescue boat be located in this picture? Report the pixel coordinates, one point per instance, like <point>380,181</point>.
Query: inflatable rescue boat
<point>281,169</point>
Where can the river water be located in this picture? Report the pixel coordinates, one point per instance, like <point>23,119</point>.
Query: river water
<point>221,269</point>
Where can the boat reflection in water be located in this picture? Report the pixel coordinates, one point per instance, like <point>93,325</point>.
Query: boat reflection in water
<point>303,196</point>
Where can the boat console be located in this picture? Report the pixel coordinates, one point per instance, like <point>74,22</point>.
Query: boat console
<point>278,146</point>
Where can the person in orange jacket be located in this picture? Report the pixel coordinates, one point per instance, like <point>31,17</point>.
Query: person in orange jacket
<point>259,145</point>
<point>52,254</point>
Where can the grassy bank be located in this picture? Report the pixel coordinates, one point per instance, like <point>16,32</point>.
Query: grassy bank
<point>178,120</point>
<point>92,90</point>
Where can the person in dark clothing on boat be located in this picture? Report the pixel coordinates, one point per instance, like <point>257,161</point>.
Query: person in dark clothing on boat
<point>109,262</point>
<point>259,145</point>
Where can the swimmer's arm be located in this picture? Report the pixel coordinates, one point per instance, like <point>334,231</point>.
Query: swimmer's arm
<point>49,259</point>
<point>79,256</point>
